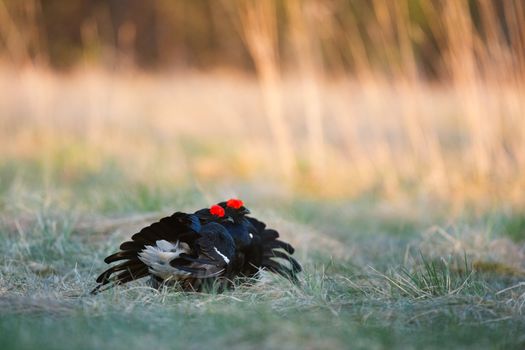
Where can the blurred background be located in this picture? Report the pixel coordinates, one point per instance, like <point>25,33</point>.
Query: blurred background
<point>384,139</point>
<point>329,99</point>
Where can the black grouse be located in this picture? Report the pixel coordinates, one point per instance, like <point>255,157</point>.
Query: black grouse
<point>256,246</point>
<point>209,248</point>
<point>176,249</point>
<point>265,250</point>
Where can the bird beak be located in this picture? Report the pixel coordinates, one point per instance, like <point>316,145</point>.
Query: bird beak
<point>246,211</point>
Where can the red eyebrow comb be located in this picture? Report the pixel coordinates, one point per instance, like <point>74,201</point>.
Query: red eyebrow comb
<point>217,210</point>
<point>234,203</point>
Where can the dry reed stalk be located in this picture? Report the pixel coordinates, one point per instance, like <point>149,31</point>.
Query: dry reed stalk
<point>310,67</point>
<point>367,160</point>
<point>259,28</point>
<point>514,14</point>
<point>12,36</point>
<point>460,60</point>
<point>423,139</point>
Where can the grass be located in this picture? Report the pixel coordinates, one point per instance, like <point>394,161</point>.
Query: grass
<point>401,185</point>
<point>372,279</point>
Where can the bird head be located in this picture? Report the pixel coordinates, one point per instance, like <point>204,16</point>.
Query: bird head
<point>232,211</point>
<point>235,209</point>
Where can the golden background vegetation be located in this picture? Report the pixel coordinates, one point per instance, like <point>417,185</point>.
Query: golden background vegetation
<point>328,98</point>
<point>384,139</point>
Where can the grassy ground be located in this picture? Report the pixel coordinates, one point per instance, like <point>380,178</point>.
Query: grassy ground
<point>396,275</point>
<point>409,223</point>
<point>404,196</point>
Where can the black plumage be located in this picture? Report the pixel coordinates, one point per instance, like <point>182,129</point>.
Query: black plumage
<point>210,248</point>
<point>175,249</point>
<point>258,247</point>
<point>268,252</point>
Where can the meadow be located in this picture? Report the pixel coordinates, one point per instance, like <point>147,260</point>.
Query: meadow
<point>389,262</point>
<point>375,276</point>
<point>384,140</point>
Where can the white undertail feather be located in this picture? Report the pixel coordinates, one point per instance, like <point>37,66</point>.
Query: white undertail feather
<point>226,260</point>
<point>158,258</point>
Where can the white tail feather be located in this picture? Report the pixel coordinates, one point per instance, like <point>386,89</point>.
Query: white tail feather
<point>158,258</point>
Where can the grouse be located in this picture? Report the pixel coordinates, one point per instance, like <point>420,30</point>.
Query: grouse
<point>210,248</point>
<point>265,250</point>
<point>257,247</point>
<point>176,249</point>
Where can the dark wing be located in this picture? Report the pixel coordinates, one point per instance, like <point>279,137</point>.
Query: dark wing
<point>171,228</point>
<point>215,249</point>
<point>167,228</point>
<point>205,216</point>
<point>267,252</point>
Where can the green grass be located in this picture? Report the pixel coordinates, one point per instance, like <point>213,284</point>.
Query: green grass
<point>373,278</point>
